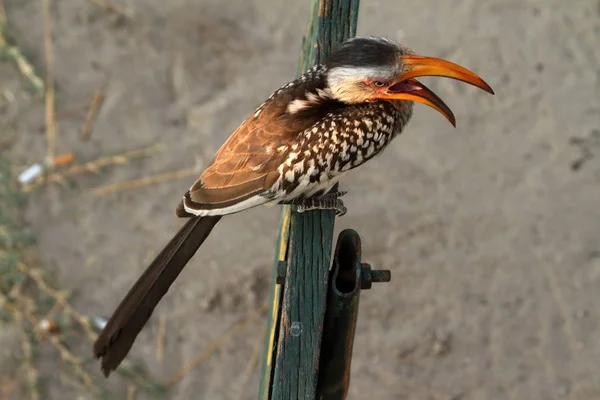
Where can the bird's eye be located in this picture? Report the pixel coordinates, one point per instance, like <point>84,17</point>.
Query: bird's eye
<point>379,83</point>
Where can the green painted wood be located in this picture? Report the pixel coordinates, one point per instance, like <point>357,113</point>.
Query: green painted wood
<point>272,330</point>
<point>303,306</point>
<point>297,350</point>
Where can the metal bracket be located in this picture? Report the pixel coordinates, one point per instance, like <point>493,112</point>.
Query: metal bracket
<point>348,277</point>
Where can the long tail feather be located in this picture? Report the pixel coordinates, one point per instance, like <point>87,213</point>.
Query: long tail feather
<point>131,315</point>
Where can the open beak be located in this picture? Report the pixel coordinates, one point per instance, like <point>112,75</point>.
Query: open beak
<point>408,88</point>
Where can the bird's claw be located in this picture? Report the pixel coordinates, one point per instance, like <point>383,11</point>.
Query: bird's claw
<point>329,201</point>
<point>336,205</point>
<point>333,195</point>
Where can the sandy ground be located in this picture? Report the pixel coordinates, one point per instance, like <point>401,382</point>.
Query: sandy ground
<point>492,230</point>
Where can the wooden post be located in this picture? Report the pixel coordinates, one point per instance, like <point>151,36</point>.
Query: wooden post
<point>299,285</point>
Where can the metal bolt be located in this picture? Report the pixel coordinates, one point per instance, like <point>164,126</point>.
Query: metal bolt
<point>381,275</point>
<point>370,275</point>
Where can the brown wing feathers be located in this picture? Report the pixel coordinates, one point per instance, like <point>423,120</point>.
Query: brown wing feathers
<point>245,166</point>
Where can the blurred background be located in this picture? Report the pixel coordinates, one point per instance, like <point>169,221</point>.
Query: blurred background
<point>491,230</point>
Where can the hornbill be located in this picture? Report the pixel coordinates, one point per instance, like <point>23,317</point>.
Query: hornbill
<point>291,150</point>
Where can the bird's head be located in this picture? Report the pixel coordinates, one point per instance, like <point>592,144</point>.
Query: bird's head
<point>366,69</point>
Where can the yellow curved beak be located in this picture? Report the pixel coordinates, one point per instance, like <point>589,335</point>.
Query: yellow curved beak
<point>408,88</point>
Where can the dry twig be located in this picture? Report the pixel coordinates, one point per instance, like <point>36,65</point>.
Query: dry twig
<point>25,67</point>
<point>160,338</point>
<point>147,181</point>
<point>94,166</point>
<point>49,101</point>
<point>131,389</point>
<point>64,353</point>
<point>95,104</point>
<point>83,321</point>
<point>31,373</point>
<point>59,298</point>
<point>75,361</point>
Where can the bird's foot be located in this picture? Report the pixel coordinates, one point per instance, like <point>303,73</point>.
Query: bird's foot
<point>328,201</point>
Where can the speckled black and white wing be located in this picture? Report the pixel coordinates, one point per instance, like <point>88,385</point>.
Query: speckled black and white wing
<point>345,138</point>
